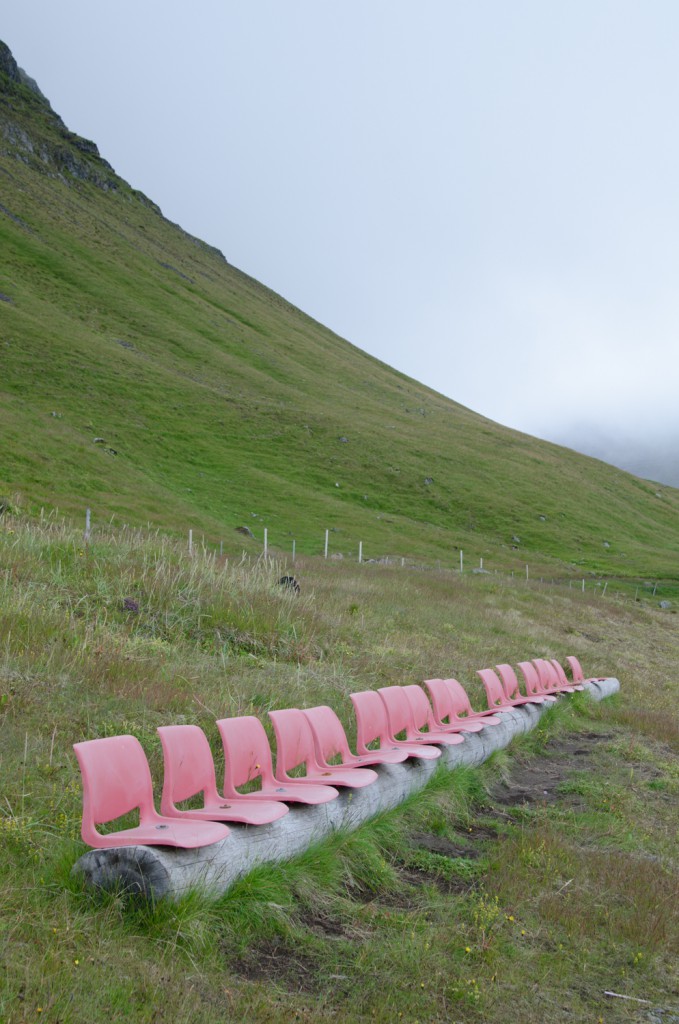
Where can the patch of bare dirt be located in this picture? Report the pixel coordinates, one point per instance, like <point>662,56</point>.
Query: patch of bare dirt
<point>442,846</point>
<point>538,781</point>
<point>279,964</point>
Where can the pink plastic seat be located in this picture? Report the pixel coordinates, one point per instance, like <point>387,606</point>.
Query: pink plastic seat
<point>451,704</point>
<point>495,691</point>
<point>247,756</point>
<point>577,673</point>
<point>454,724</point>
<point>549,680</point>
<point>190,769</point>
<point>295,747</point>
<point>372,723</point>
<point>330,740</point>
<point>117,780</point>
<point>533,682</point>
<point>563,678</point>
<point>401,718</point>
<point>422,717</point>
<point>496,694</point>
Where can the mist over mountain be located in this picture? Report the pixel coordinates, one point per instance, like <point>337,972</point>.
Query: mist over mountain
<point>652,454</point>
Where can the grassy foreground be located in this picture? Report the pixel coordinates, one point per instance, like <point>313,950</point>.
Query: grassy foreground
<point>462,903</point>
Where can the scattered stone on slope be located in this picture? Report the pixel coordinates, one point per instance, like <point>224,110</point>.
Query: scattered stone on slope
<point>245,531</point>
<point>5,298</point>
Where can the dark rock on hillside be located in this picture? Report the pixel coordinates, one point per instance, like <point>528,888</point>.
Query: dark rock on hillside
<point>5,298</point>
<point>246,531</point>
<point>8,65</point>
<point>290,583</point>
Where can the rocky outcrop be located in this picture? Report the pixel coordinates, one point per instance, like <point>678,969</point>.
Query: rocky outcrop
<point>45,142</point>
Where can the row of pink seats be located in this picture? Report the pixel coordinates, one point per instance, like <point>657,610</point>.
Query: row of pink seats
<point>117,778</point>
<point>543,680</point>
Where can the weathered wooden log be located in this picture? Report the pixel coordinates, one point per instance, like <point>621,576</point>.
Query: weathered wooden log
<point>158,871</point>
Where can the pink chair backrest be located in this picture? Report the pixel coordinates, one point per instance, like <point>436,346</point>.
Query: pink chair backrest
<point>116,778</point>
<point>548,677</point>
<point>371,718</point>
<point>561,675</point>
<point>509,681</point>
<point>330,738</point>
<point>495,694</point>
<point>247,754</point>
<point>189,767</point>
<point>576,669</point>
<point>422,715</point>
<point>530,674</point>
<point>399,712</point>
<point>450,700</point>
<point>294,741</point>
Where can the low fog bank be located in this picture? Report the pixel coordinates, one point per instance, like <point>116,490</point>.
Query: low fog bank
<point>653,456</point>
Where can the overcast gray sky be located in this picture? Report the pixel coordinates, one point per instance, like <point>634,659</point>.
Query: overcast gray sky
<point>483,194</point>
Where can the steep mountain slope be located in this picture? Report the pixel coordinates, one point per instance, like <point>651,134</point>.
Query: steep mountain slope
<point>143,375</point>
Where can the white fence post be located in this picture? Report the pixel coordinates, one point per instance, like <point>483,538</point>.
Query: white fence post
<point>190,542</point>
<point>526,572</point>
<point>266,542</point>
<point>480,563</point>
<point>293,552</point>
<point>461,560</point>
<point>360,551</point>
<point>87,526</point>
<point>605,585</point>
<point>583,586</point>
<point>327,534</point>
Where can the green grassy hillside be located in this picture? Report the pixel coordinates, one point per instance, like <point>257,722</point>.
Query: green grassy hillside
<point>227,406</point>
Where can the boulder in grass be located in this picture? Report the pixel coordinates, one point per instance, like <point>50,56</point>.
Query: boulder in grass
<point>245,530</point>
<point>290,583</point>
